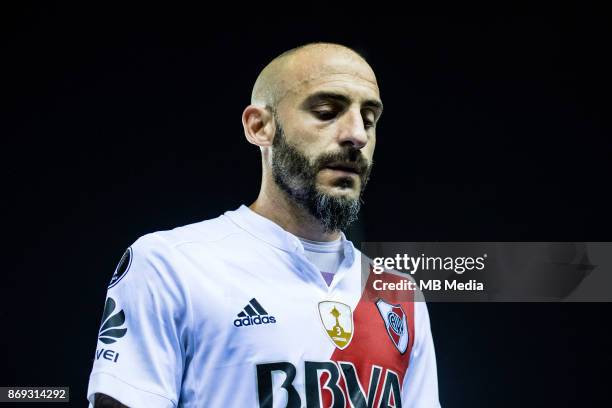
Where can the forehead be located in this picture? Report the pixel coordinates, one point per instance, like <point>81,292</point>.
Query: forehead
<point>351,77</point>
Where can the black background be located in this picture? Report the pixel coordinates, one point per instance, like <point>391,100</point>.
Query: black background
<point>120,122</point>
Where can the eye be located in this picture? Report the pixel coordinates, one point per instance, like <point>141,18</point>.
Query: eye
<point>325,114</point>
<point>369,119</point>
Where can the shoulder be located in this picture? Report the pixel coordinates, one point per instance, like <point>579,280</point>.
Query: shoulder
<point>210,230</point>
<point>174,257</point>
<point>157,256</point>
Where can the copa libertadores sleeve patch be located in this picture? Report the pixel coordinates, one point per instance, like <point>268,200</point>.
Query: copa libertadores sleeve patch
<point>122,268</point>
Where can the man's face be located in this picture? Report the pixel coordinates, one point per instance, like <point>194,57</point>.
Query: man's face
<point>324,142</point>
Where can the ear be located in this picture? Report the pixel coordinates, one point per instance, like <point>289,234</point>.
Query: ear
<point>258,124</point>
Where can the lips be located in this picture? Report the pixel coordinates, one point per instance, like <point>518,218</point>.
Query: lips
<point>344,166</point>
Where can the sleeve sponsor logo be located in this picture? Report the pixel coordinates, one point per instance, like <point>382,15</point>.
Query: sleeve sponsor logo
<point>110,330</point>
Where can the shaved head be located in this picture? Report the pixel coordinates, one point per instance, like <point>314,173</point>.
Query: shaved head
<point>298,66</point>
<point>313,113</point>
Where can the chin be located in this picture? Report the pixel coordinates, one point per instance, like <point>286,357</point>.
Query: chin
<point>339,191</point>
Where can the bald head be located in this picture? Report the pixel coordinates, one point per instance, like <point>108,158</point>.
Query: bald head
<point>313,114</point>
<point>297,67</point>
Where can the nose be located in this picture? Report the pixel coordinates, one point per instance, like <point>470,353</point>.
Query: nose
<point>352,129</point>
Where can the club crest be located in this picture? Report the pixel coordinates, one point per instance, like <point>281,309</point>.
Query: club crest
<point>337,319</point>
<point>396,324</point>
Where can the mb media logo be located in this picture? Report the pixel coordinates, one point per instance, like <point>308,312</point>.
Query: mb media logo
<point>253,314</point>
<point>110,330</point>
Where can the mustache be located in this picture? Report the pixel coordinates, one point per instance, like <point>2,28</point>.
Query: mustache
<point>350,156</point>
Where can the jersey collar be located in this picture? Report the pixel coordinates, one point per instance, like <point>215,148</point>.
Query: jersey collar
<point>271,233</point>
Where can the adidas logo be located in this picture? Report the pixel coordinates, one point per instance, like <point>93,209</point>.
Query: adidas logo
<point>110,330</point>
<point>253,314</point>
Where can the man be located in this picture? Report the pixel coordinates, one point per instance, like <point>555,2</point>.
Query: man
<point>264,306</point>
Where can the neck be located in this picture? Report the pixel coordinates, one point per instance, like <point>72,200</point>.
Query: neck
<point>275,205</point>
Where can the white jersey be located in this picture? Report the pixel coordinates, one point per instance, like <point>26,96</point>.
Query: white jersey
<point>229,312</point>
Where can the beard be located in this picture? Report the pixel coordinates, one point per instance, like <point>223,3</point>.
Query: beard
<point>296,176</point>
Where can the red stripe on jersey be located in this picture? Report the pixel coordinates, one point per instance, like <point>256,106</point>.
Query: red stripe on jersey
<point>371,344</point>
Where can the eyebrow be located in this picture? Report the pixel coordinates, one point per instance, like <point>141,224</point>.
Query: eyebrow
<point>337,97</point>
